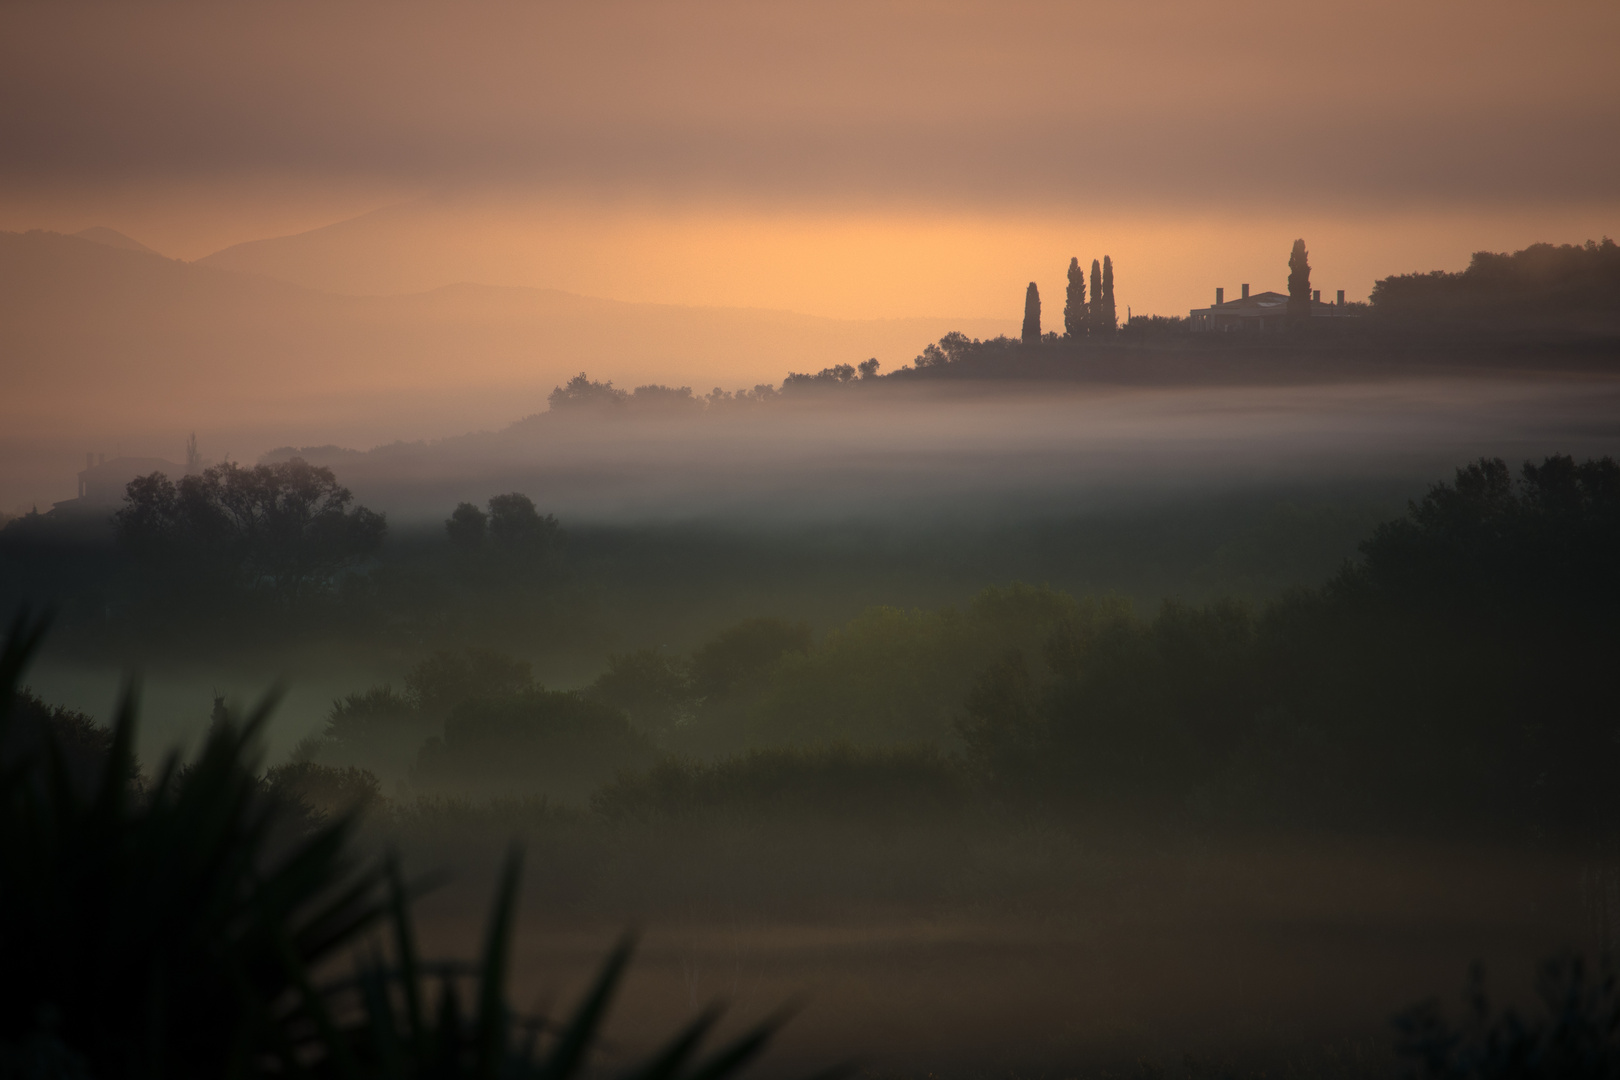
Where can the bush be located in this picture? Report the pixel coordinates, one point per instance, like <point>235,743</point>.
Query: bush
<point>324,791</point>
<point>653,691</point>
<point>894,677</point>
<point>539,741</point>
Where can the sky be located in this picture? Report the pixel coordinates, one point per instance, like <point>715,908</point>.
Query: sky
<point>851,160</point>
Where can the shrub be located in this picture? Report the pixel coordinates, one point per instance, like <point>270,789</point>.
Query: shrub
<point>540,741</point>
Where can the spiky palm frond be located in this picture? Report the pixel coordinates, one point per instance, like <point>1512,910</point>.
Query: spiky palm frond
<point>153,926</point>
<point>173,932</point>
<point>385,1029</point>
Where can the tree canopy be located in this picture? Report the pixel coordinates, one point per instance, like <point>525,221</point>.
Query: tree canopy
<point>285,528</point>
<point>1074,301</point>
<point>1299,282</point>
<point>1577,284</point>
<point>1032,315</point>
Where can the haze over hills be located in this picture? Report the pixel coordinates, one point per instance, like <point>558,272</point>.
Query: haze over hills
<point>100,234</point>
<point>374,254</point>
<point>110,343</point>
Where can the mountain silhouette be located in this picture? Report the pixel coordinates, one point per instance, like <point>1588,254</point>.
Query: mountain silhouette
<point>100,234</point>
<point>94,335</point>
<point>374,254</point>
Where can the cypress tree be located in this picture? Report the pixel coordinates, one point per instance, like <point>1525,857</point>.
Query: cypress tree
<point>1032,315</point>
<point>1074,302</point>
<point>1095,310</point>
<point>1110,315</point>
<point>1299,283</point>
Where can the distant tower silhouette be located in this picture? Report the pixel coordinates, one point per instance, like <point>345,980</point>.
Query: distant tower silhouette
<point>1074,302</point>
<point>1032,315</point>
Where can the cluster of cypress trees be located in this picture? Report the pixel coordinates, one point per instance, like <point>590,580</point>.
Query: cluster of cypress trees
<point>1097,315</point>
<point>1080,317</point>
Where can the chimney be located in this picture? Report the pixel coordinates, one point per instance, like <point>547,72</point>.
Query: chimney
<point>1220,297</point>
<point>1341,298</point>
<point>1316,296</point>
<point>1245,292</point>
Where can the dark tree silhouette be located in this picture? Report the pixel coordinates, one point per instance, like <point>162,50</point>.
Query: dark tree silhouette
<point>1574,285</point>
<point>744,653</point>
<point>1095,312</point>
<point>515,523</point>
<point>466,526</point>
<point>1032,315</point>
<point>1299,283</point>
<point>954,348</point>
<point>1110,317</point>
<point>837,375</point>
<point>581,392</point>
<point>1074,302</point>
<point>284,528</point>
<point>536,741</point>
<point>868,368</point>
<point>651,689</point>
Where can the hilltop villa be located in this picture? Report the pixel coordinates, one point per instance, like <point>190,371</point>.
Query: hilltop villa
<point>1261,312</point>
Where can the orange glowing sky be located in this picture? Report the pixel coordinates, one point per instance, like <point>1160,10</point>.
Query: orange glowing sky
<point>845,159</point>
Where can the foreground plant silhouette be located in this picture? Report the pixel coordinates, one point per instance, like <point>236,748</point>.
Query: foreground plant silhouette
<point>174,931</point>
<point>1577,1037</point>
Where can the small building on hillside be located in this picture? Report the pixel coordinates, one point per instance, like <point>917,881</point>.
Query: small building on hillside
<point>102,482</point>
<point>1260,313</point>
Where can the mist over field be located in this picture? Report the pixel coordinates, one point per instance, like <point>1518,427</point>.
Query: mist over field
<point>793,617</point>
<point>940,541</point>
<point>1007,452</point>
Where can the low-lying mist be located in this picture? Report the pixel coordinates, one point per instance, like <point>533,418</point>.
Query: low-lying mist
<point>1045,729</point>
<point>978,452</point>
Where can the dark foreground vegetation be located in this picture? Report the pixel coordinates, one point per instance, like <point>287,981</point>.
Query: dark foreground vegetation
<point>1451,686</point>
<point>1451,690</point>
<point>1455,680</point>
<point>185,924</point>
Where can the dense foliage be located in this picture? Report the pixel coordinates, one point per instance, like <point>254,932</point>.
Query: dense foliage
<point>284,528</point>
<point>1453,678</point>
<point>1571,285</point>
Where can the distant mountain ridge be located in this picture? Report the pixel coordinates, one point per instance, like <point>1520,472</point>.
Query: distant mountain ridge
<point>100,234</point>
<point>90,332</point>
<point>365,255</point>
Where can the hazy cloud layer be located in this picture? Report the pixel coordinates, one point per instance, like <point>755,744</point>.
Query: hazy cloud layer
<point>867,104</point>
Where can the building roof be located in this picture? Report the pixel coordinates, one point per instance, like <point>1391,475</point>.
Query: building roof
<point>122,470</point>
<point>104,484</point>
<point>1264,305</point>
